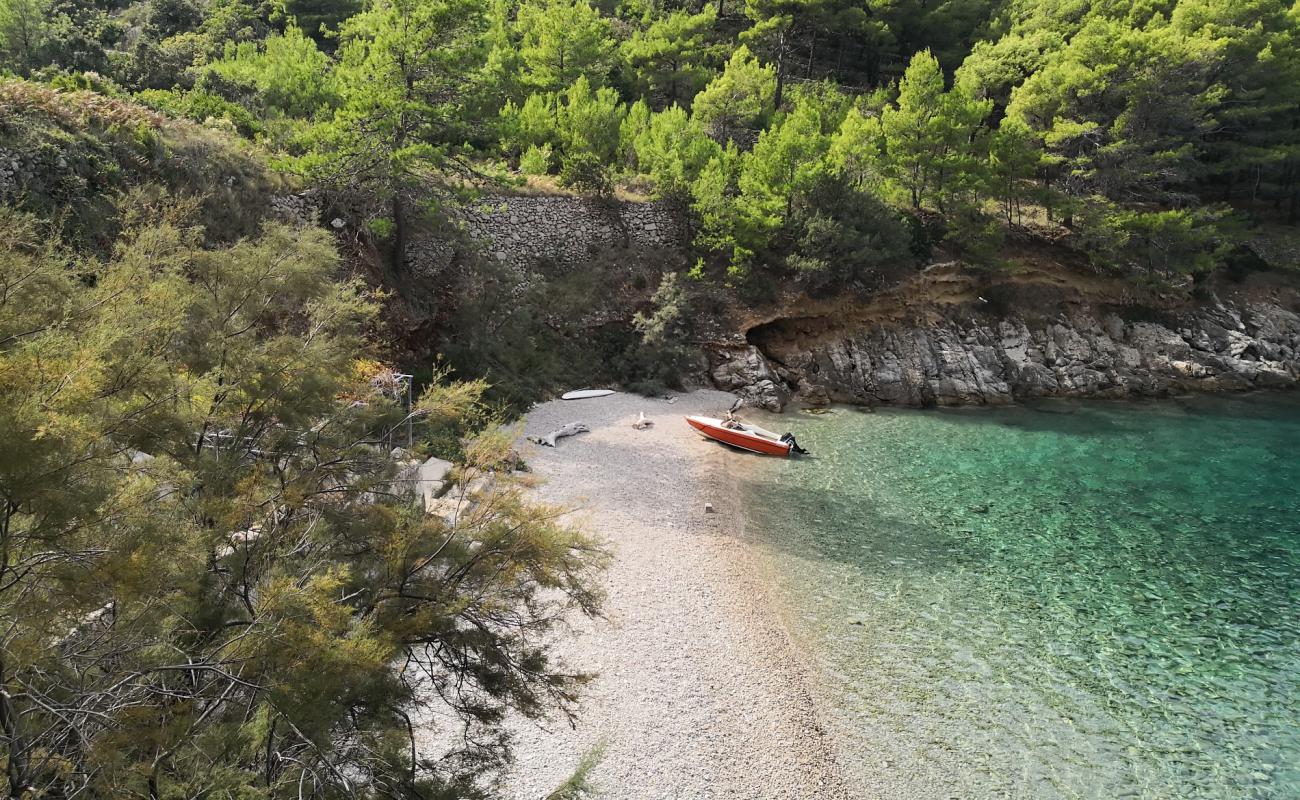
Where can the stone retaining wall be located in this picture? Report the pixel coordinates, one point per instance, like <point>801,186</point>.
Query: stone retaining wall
<point>526,232</point>
<point>566,231</point>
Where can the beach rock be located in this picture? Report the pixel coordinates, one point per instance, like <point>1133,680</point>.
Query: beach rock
<point>748,373</point>
<point>972,362</point>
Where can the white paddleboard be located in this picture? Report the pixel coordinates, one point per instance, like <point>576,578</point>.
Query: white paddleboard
<point>583,394</point>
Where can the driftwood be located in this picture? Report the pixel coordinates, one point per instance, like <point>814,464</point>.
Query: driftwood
<point>568,430</point>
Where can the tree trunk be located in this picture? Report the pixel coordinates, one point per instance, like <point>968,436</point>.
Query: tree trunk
<point>780,72</point>
<point>399,233</point>
<point>16,761</point>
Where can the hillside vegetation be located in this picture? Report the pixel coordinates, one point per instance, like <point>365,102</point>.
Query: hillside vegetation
<point>811,140</point>
<point>215,579</point>
<point>66,156</point>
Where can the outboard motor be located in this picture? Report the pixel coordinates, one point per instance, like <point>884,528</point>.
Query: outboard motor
<point>794,446</point>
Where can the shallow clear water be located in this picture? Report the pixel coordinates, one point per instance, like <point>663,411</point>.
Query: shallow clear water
<point>1065,600</point>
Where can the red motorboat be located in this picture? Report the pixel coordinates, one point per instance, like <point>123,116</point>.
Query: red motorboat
<point>745,436</point>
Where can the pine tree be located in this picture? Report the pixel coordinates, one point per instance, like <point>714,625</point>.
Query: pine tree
<point>561,41</point>
<point>738,99</point>
<point>589,121</point>
<point>24,33</point>
<point>669,57</point>
<point>401,67</point>
<point>929,135</point>
<point>673,150</point>
<point>290,73</point>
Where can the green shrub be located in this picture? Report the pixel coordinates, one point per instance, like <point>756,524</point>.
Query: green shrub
<point>536,160</point>
<point>841,235</point>
<point>587,173</point>
<point>200,106</point>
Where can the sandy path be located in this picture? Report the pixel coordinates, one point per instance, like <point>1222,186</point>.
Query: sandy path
<point>698,693</point>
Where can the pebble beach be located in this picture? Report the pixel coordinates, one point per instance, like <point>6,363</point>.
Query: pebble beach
<point>698,692</point>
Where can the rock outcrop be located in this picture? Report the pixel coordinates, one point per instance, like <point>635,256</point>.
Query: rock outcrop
<point>746,372</point>
<point>999,361</point>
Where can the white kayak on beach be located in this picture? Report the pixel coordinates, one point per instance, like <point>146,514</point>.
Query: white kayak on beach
<point>583,394</point>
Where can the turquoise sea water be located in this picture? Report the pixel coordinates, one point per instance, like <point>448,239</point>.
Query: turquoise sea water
<point>1092,600</point>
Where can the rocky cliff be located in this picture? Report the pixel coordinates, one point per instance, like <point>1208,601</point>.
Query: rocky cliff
<point>991,361</point>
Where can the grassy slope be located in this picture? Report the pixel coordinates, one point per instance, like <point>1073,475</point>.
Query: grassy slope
<point>77,151</point>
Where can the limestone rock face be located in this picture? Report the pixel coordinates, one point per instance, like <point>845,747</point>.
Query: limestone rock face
<point>747,373</point>
<point>979,363</point>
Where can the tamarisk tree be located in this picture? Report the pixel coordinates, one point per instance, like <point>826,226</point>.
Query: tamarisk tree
<point>211,582</point>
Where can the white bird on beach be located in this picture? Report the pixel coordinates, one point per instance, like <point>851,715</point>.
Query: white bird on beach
<point>641,422</point>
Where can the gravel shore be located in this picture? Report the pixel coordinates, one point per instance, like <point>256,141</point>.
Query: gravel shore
<point>698,692</point>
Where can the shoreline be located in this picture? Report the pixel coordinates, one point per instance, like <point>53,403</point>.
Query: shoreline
<point>699,692</point>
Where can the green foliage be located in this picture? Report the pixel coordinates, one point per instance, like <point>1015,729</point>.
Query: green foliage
<point>290,74</point>
<point>83,149</point>
<point>561,41</point>
<point>589,121</point>
<point>857,150</point>
<point>714,199</point>
<point>930,148</point>
<point>738,99</point>
<point>663,324</point>
<point>635,123</point>
<point>583,128</point>
<point>673,150</point>
<point>213,579</point>
<point>169,17</point>
<point>990,113</point>
<point>315,17</point>
<point>25,33</point>
<point>201,106</point>
<point>399,78</point>
<point>1164,243</point>
<point>842,236</point>
<point>994,68</point>
<point>531,125</point>
<point>165,64</point>
<point>670,56</point>
<point>586,172</point>
<point>536,160</point>
<point>1013,159</point>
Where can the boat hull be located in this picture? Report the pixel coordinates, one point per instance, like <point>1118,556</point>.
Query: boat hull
<point>754,443</point>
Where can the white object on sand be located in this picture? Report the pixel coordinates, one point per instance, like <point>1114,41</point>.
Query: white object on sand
<point>582,394</point>
<point>568,430</point>
<point>641,422</point>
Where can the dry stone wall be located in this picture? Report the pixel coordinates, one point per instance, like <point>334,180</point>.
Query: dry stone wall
<point>15,170</point>
<point>524,232</point>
